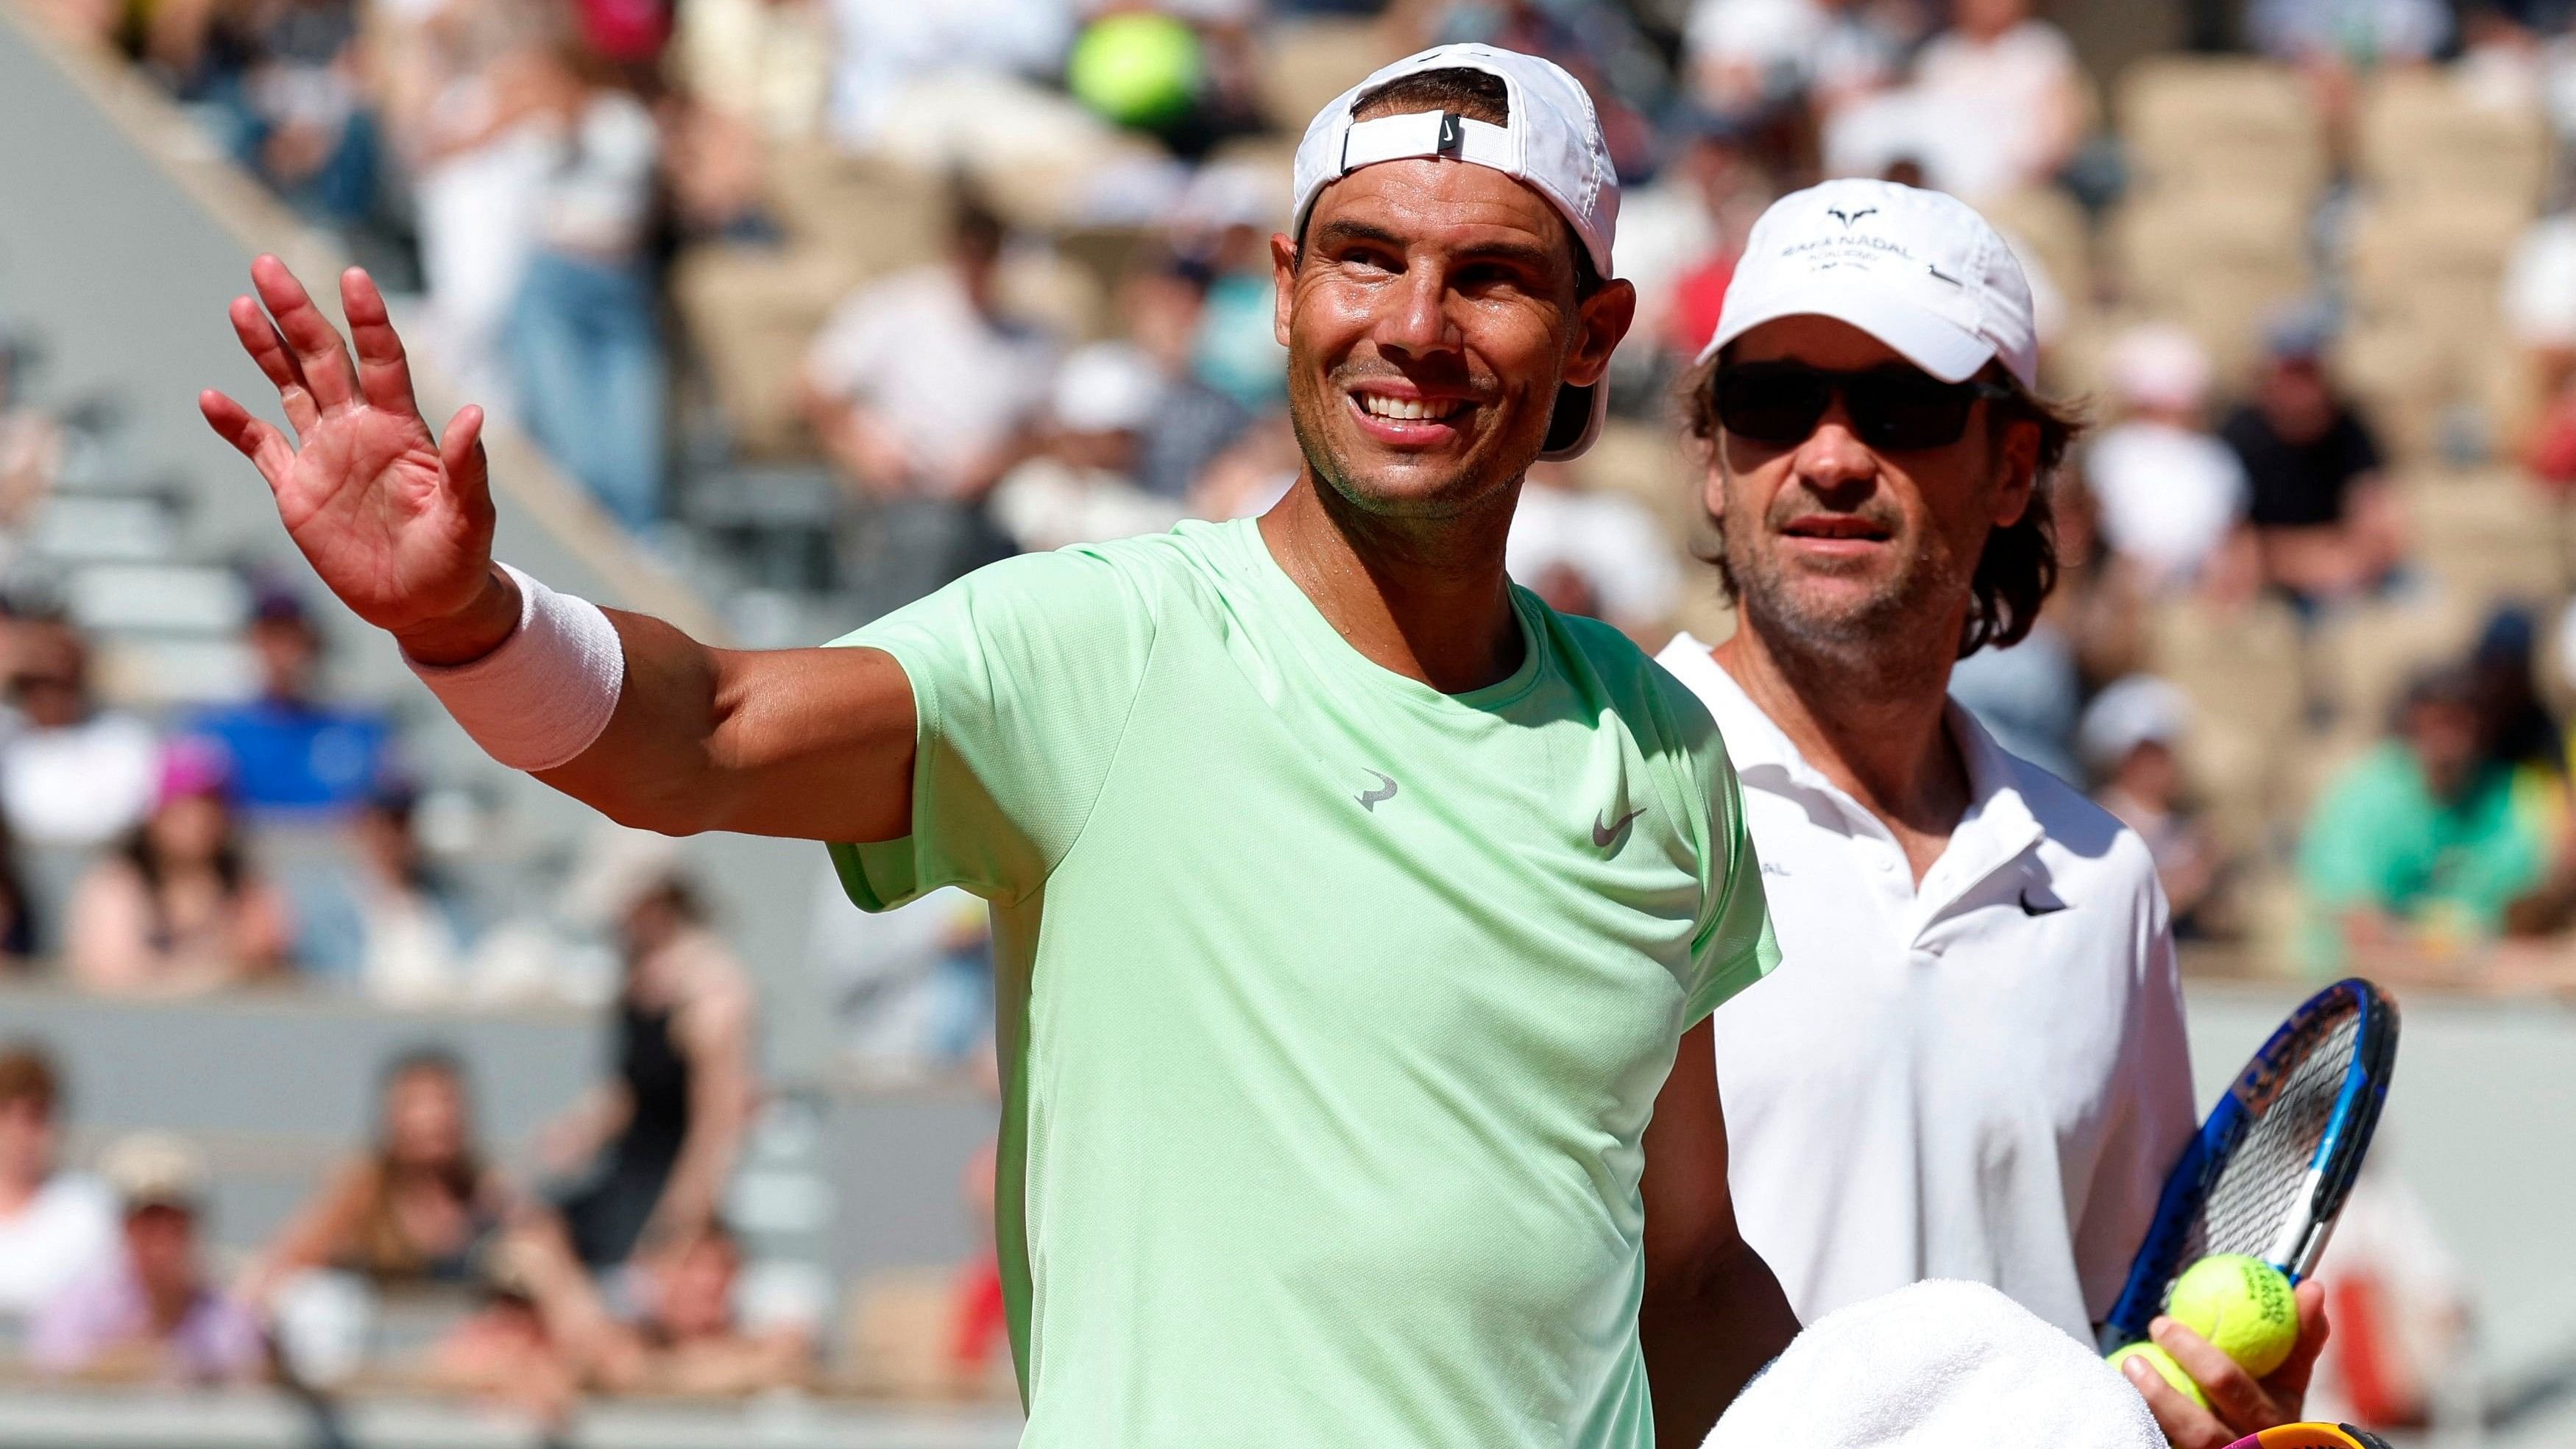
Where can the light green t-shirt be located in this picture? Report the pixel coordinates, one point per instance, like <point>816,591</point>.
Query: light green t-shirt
<point>1332,1007</point>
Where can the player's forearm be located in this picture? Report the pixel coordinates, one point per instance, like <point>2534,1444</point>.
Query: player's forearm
<point>658,731</point>
<point>1707,1328</point>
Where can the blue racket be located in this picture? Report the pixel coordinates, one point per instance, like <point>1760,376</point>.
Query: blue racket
<point>2274,1162</point>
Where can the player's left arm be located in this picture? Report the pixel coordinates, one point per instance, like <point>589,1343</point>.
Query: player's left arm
<point>1713,1313</point>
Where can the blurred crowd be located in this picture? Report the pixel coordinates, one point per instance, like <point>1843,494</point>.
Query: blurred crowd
<point>838,299</point>
<point>841,298</point>
<point>615,1276</point>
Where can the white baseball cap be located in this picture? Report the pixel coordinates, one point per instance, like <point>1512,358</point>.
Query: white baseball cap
<point>1552,144</point>
<point>1918,270</point>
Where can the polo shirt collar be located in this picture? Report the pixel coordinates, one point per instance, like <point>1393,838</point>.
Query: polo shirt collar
<point>1997,828</point>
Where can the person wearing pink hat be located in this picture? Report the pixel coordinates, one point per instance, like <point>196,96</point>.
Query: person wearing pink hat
<point>178,907</point>
<point>1352,907</point>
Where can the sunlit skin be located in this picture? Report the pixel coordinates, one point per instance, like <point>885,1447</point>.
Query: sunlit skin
<point>1451,284</point>
<point>1852,568</point>
<point>1443,282</point>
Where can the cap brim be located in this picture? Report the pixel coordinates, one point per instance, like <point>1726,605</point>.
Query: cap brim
<point>1564,442</point>
<point>1942,348</point>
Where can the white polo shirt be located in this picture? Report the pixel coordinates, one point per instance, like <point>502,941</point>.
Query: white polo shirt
<point>1985,1078</point>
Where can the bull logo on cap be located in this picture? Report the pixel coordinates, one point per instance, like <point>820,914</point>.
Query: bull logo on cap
<point>1848,217</point>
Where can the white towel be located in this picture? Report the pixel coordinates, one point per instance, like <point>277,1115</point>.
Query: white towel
<point>1939,1365</point>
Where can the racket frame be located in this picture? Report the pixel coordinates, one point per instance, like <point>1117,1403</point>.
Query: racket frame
<point>2332,1166</point>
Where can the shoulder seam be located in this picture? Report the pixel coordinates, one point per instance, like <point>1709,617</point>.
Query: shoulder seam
<point>1117,748</point>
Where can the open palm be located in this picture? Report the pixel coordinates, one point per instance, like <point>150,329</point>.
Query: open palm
<point>396,521</point>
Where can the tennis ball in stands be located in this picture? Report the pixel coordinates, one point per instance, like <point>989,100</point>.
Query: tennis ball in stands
<point>2165,1367</point>
<point>2242,1306</point>
<point>1135,68</point>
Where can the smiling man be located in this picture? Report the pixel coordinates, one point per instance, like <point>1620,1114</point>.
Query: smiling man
<point>1351,908</point>
<point>1978,1070</point>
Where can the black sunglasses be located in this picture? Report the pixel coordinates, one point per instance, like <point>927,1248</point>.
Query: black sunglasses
<point>1895,407</point>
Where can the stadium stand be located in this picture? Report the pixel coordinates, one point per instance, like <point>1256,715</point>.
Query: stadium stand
<point>2239,191</point>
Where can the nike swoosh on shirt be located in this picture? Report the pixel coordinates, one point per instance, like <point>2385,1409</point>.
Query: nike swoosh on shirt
<point>1602,834</point>
<point>1369,799</point>
<point>2031,907</point>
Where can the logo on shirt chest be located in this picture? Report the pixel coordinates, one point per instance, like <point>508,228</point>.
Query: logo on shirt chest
<point>1384,791</point>
<point>1608,833</point>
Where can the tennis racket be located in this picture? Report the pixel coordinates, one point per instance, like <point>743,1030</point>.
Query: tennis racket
<point>2274,1162</point>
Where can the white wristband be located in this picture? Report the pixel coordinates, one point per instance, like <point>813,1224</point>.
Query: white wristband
<point>545,692</point>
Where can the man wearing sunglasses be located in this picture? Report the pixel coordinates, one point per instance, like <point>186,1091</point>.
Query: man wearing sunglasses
<point>1978,1068</point>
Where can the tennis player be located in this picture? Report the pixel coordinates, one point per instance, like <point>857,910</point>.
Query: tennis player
<point>1351,908</point>
<point>1978,1070</point>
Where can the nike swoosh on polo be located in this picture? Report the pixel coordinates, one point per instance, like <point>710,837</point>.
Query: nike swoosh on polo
<point>1369,799</point>
<point>2030,907</point>
<point>1602,834</point>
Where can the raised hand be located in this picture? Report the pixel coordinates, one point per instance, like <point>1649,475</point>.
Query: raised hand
<point>396,522</point>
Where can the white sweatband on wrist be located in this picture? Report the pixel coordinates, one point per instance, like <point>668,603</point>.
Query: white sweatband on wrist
<point>545,692</point>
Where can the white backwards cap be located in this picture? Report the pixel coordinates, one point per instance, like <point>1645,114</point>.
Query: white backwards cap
<point>1552,143</point>
<point>1918,270</point>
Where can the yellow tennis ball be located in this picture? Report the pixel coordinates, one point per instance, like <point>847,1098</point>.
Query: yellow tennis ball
<point>2242,1306</point>
<point>2165,1367</point>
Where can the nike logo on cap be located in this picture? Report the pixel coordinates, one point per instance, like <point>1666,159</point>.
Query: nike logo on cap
<point>1602,834</point>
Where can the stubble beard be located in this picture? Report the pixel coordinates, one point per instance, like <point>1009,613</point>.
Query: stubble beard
<point>1464,492</point>
<point>1881,633</point>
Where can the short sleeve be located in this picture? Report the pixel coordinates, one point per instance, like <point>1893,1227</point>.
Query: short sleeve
<point>1734,946</point>
<point>1023,674</point>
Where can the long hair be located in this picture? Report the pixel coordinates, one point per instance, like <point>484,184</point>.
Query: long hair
<point>2018,566</point>
<point>382,1247</point>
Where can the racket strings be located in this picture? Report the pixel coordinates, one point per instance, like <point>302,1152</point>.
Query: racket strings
<point>2261,1184</point>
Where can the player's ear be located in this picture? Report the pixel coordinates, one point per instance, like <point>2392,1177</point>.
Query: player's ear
<point>1600,321</point>
<point>1283,283</point>
<point>2017,456</point>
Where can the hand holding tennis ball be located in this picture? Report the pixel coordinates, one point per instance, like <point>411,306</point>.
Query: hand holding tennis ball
<point>2165,1367</point>
<point>2242,1305</point>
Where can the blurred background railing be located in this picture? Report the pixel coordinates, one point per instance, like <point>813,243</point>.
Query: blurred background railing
<point>794,309</point>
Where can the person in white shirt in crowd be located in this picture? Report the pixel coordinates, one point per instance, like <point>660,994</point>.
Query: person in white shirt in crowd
<point>1979,1070</point>
<point>2131,740</point>
<point>461,82</point>
<point>924,390</point>
<point>2013,78</point>
<point>1747,56</point>
<point>55,1226</point>
<point>887,53</point>
<point>2172,496</point>
<point>585,339</point>
<point>1081,487</point>
<point>1997,104</point>
<point>74,776</point>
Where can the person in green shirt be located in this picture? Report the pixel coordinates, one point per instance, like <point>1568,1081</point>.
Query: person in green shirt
<point>2421,846</point>
<point>1352,908</point>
